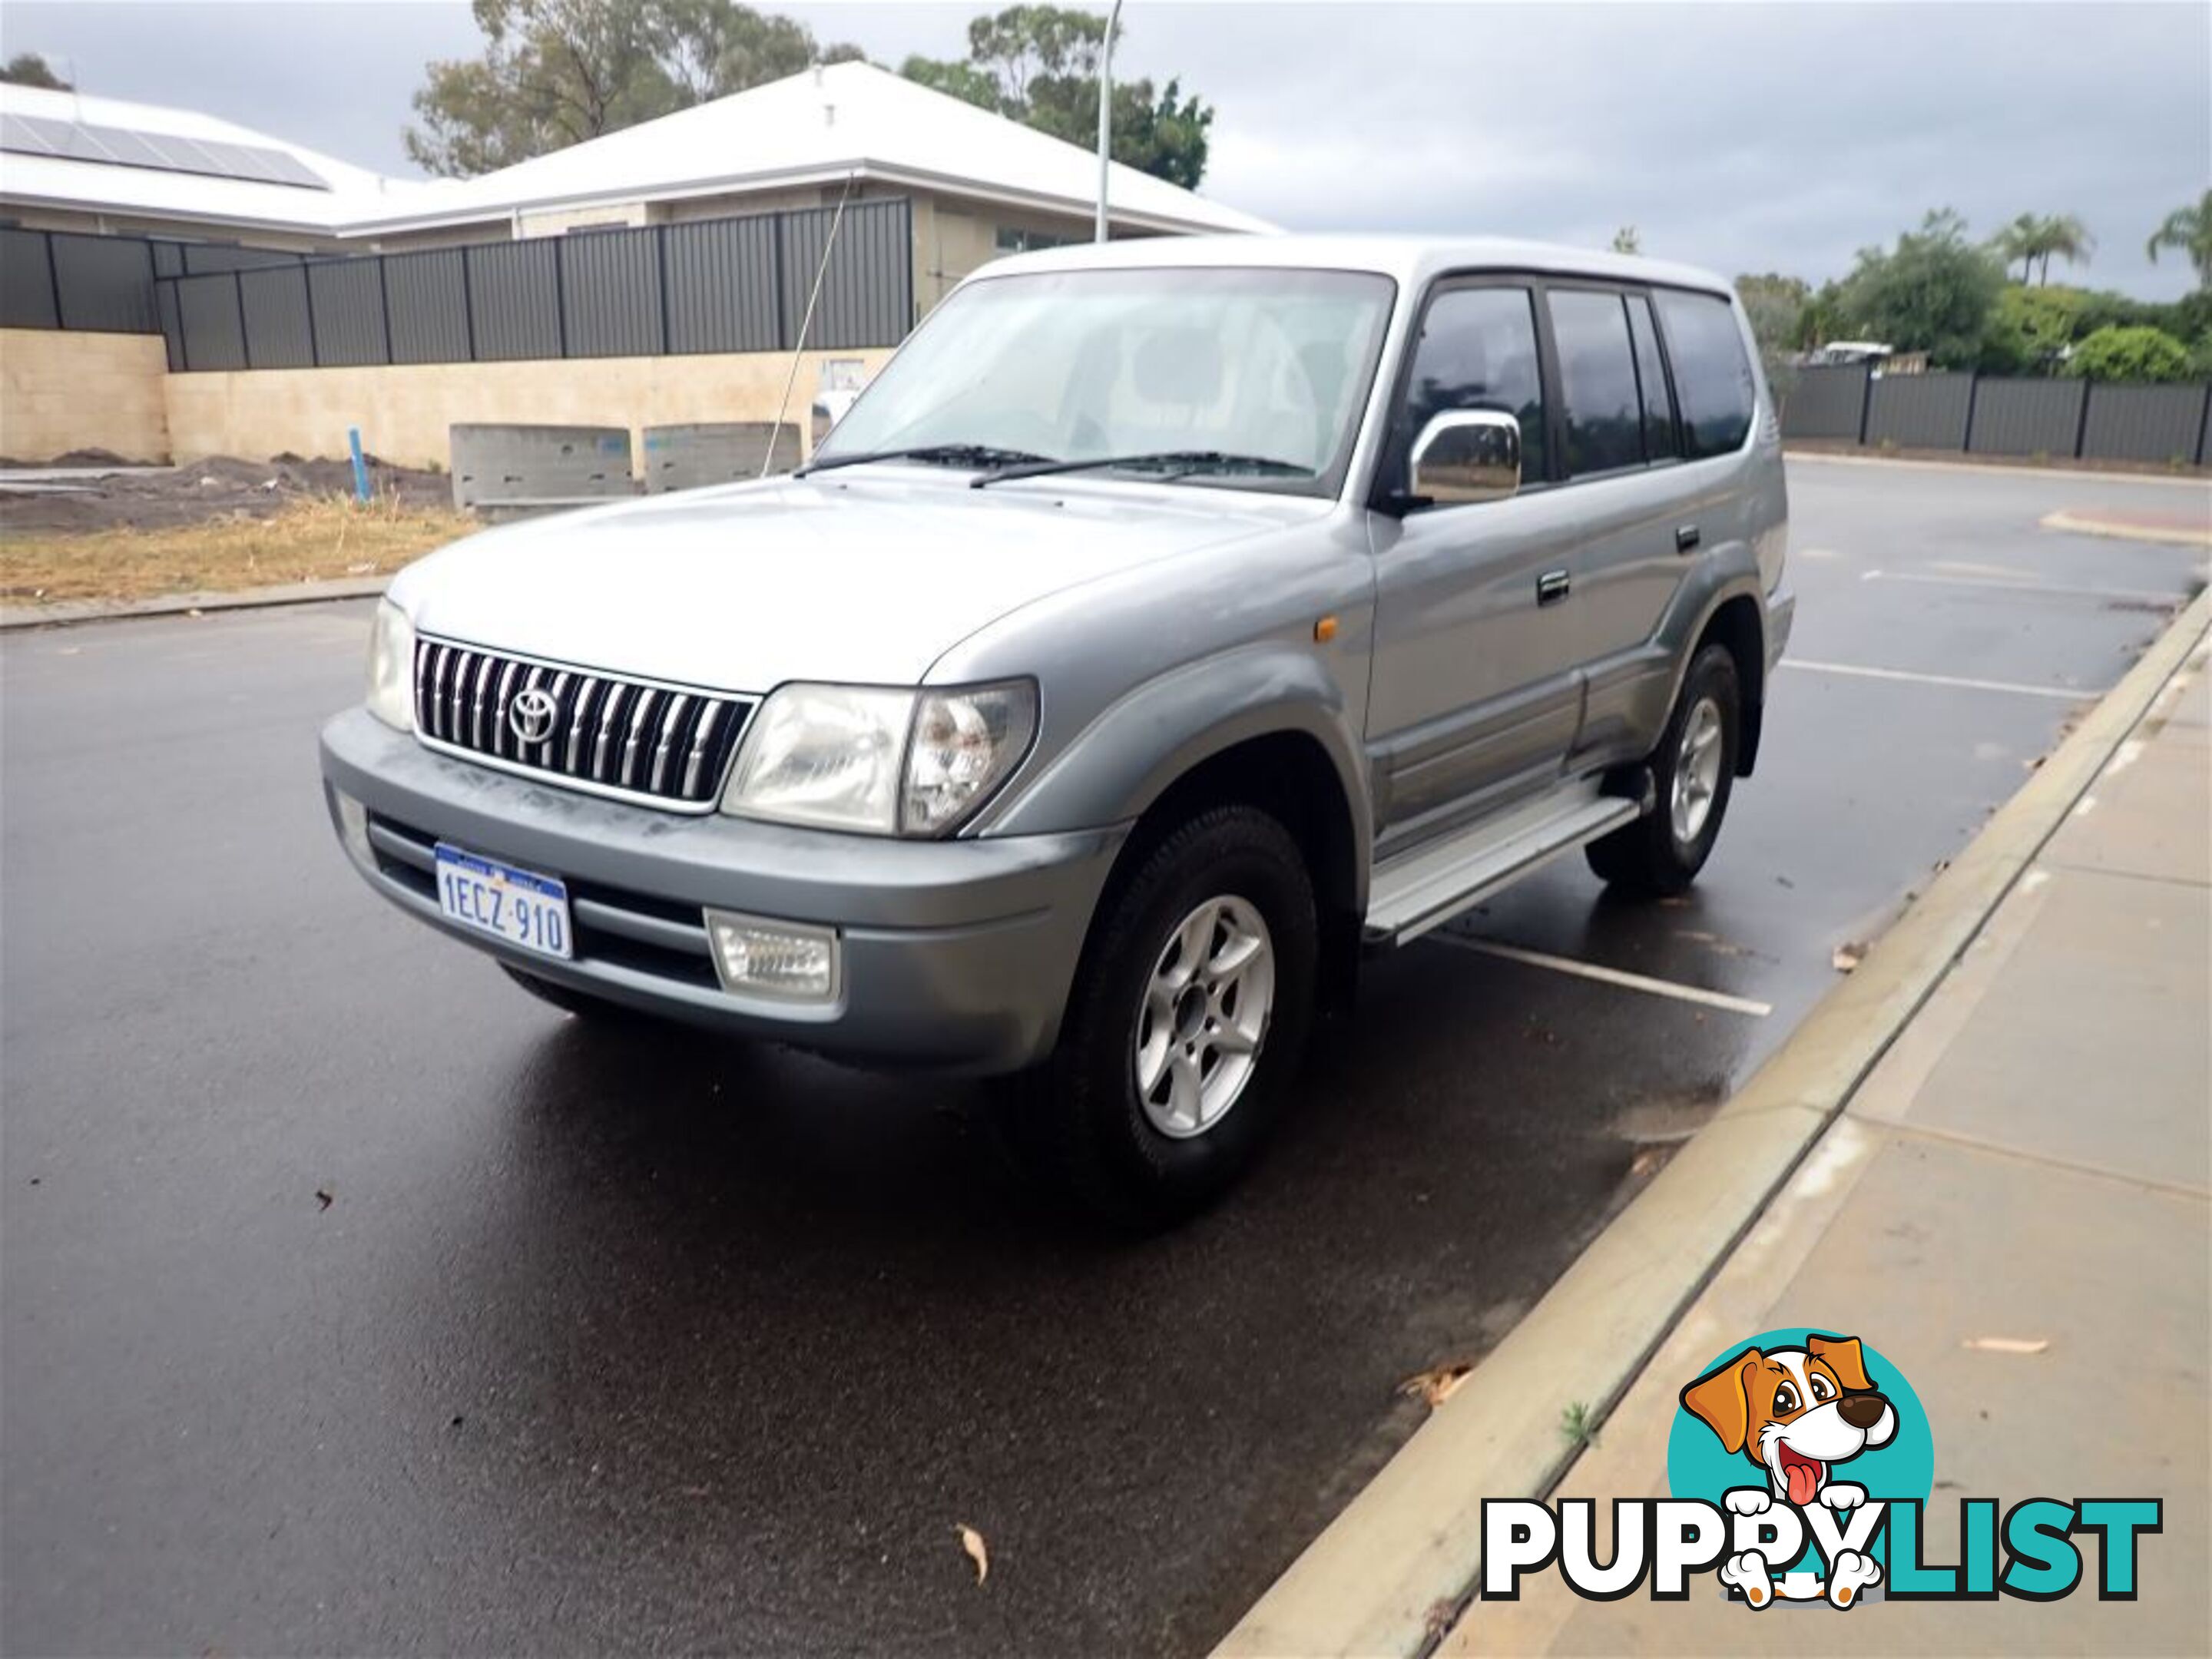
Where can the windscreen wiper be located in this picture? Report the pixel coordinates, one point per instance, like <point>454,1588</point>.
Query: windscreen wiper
<point>1179,462</point>
<point>937,454</point>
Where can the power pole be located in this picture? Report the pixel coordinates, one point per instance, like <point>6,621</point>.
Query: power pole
<point>1105,116</point>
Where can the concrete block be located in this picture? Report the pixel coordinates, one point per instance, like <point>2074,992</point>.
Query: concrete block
<point>690,456</point>
<point>499,463</point>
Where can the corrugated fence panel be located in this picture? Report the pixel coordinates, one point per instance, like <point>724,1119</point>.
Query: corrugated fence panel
<point>168,259</point>
<point>611,287</point>
<point>26,281</point>
<point>107,283</point>
<point>514,294</point>
<point>429,306</point>
<point>278,333</point>
<point>1828,402</point>
<point>2204,438</point>
<point>1919,411</point>
<point>347,298</point>
<point>2143,422</point>
<point>722,285</point>
<point>200,258</point>
<point>2027,418</point>
<point>867,297</point>
<point>173,325</point>
<point>207,308</point>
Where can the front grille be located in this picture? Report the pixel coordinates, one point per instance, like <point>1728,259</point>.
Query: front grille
<point>605,733</point>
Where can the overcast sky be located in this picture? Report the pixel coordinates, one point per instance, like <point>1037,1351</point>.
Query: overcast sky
<point>1743,137</point>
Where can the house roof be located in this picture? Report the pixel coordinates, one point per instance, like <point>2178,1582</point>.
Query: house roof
<point>220,173</point>
<point>838,121</point>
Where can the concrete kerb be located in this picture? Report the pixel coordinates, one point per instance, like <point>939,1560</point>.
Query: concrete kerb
<point>2195,479</point>
<point>1392,1572</point>
<point>67,612</point>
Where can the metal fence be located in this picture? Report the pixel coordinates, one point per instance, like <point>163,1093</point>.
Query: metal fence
<point>1986,415</point>
<point>737,284</point>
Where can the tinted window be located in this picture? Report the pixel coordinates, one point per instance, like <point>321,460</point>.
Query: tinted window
<point>1477,350</point>
<point>1597,382</point>
<point>1652,376</point>
<point>1713,375</point>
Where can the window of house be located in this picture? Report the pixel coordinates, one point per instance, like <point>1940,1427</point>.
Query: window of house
<point>1014,240</point>
<point>1712,372</point>
<point>1597,382</point>
<point>1477,350</point>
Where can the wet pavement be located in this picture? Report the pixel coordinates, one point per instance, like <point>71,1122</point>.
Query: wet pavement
<point>351,1300</point>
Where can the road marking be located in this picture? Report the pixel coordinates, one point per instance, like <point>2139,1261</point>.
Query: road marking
<point>2069,694</point>
<point>1657,988</point>
<point>2018,585</point>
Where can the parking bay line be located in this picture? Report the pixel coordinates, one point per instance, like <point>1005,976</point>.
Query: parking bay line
<point>2069,694</point>
<point>2028,586</point>
<point>1657,988</point>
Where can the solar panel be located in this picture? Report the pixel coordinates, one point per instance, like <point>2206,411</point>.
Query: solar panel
<point>163,152</point>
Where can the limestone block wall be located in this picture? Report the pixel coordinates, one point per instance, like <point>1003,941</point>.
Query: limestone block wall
<point>64,389</point>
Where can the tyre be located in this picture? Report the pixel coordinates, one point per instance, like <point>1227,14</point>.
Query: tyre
<point>1184,1026</point>
<point>1694,772</point>
<point>582,1004</point>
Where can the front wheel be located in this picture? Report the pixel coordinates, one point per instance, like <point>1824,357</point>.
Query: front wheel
<point>1693,770</point>
<point>1186,1023</point>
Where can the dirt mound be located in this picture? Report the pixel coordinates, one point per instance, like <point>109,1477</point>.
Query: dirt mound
<point>222,486</point>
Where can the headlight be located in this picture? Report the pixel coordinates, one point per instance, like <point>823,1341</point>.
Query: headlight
<point>878,760</point>
<point>391,667</point>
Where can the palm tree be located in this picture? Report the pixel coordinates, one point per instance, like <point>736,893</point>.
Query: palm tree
<point>2017,240</point>
<point>2190,230</point>
<point>2065,235</point>
<point>2033,241</point>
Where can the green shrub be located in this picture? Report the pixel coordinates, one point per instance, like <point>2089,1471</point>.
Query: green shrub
<point>2129,354</point>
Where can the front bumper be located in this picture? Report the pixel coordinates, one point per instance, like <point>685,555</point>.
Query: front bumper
<point>955,954</point>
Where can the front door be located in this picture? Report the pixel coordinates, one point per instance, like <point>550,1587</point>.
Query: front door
<point>1476,693</point>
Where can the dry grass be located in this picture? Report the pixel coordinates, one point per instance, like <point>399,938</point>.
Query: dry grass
<point>316,540</point>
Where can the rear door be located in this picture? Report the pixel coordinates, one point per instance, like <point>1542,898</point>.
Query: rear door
<point>1621,455</point>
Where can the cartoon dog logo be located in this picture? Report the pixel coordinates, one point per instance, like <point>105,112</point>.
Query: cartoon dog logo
<point>1795,1413</point>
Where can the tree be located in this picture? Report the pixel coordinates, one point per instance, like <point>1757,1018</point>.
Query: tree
<point>28,69</point>
<point>1625,240</point>
<point>558,72</point>
<point>2030,329</point>
<point>2190,230</point>
<point>1932,293</point>
<point>2033,241</point>
<point>1039,65</point>
<point>1776,306</point>
<point>2129,354</point>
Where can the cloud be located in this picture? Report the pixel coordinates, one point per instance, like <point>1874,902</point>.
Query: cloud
<point>1740,138</point>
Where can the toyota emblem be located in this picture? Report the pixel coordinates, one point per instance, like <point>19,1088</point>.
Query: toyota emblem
<point>530,716</point>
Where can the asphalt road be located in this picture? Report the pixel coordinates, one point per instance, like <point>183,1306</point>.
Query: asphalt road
<point>641,1342</point>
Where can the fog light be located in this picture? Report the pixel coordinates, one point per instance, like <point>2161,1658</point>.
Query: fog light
<point>773,958</point>
<point>353,829</point>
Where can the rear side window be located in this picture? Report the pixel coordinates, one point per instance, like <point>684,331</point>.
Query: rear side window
<point>1652,377</point>
<point>1713,374</point>
<point>1477,350</point>
<point>1597,382</point>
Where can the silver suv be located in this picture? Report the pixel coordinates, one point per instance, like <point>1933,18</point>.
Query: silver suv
<point>1170,624</point>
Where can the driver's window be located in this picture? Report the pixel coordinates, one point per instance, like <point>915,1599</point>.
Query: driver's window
<point>1477,350</point>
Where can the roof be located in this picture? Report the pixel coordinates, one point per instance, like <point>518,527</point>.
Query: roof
<point>324,196</point>
<point>1409,260</point>
<point>835,122</point>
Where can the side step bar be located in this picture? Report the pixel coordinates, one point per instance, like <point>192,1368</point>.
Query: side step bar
<point>1431,885</point>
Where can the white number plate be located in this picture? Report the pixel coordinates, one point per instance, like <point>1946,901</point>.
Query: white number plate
<point>519,906</point>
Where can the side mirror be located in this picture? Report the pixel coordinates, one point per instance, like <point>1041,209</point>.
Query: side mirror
<point>1466,455</point>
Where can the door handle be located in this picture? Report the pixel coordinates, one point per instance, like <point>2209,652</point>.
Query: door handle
<point>1685,537</point>
<point>1551,586</point>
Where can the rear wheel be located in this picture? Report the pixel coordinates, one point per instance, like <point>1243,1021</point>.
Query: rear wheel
<point>1694,771</point>
<point>1184,1026</point>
